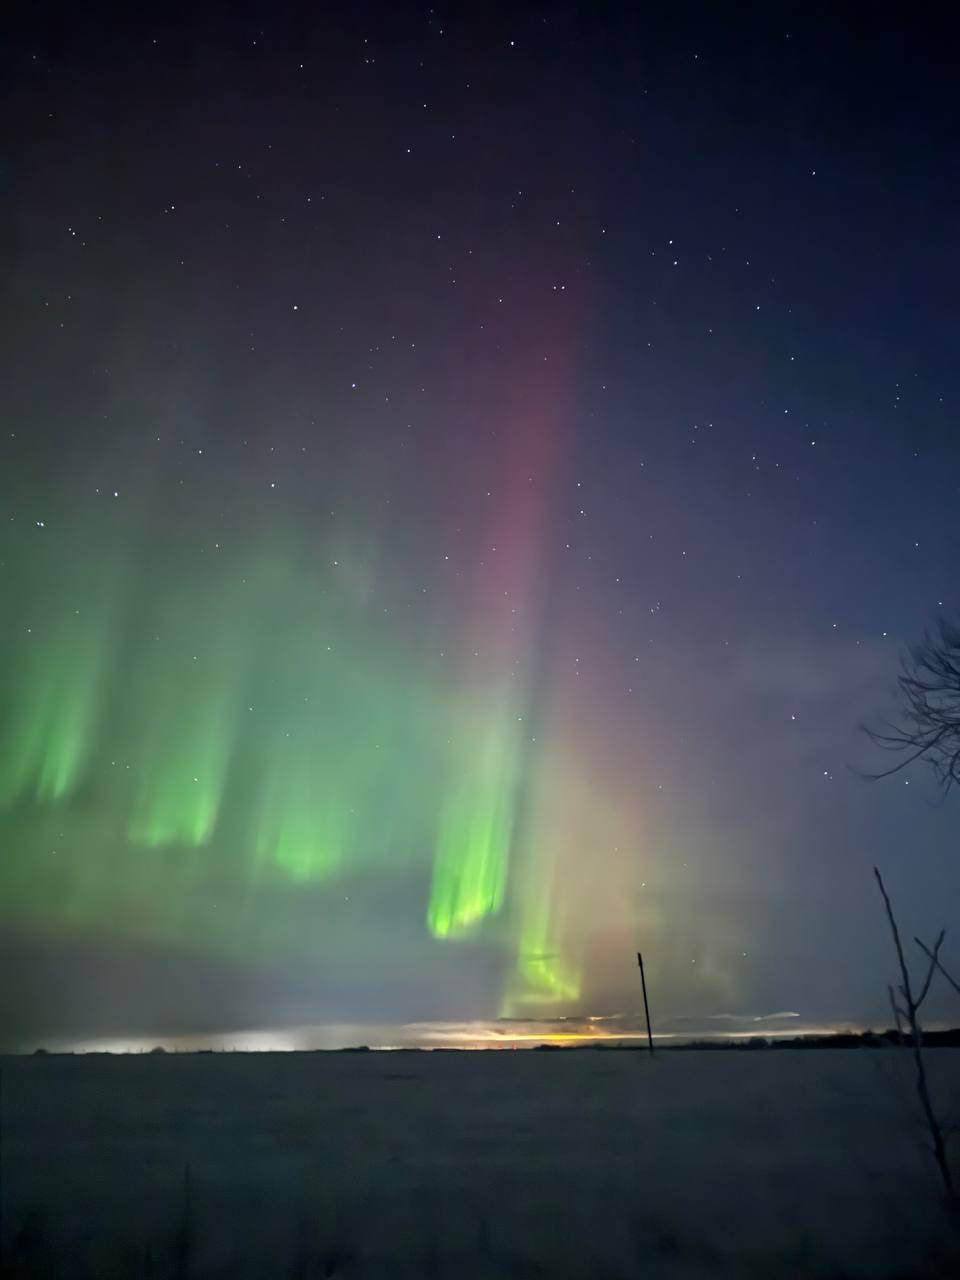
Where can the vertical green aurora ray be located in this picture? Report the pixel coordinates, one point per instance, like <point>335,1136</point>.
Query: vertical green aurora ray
<point>545,973</point>
<point>333,787</point>
<point>190,684</point>
<point>303,811</point>
<point>547,970</point>
<point>475,833</point>
<point>478,817</point>
<point>51,727</point>
<point>186,752</point>
<point>554,893</point>
<point>52,702</point>
<point>578,818</point>
<point>298,822</point>
<point>337,792</point>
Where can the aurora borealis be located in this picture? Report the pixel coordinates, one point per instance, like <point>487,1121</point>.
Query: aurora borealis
<point>463,483</point>
<point>238,713</point>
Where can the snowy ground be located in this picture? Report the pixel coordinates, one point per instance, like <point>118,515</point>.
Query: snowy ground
<point>581,1164</point>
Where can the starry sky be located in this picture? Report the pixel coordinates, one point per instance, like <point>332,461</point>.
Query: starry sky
<point>465,479</point>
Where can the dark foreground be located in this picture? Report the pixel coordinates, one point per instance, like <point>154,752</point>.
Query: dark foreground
<point>600,1166</point>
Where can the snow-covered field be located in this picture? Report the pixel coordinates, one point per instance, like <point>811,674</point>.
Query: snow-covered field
<point>579,1164</point>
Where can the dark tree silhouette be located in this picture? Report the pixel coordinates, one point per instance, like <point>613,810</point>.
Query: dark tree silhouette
<point>909,1012</point>
<point>929,722</point>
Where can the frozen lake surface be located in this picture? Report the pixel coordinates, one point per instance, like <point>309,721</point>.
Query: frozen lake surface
<point>600,1165</point>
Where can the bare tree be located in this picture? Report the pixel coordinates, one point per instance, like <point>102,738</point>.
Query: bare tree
<point>929,723</point>
<point>910,1011</point>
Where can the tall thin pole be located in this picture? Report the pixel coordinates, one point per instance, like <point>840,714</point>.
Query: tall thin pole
<point>646,1007</point>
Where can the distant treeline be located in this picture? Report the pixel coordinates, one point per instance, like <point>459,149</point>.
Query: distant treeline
<point>840,1040</point>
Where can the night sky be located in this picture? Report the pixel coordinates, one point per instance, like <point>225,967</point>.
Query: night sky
<point>465,479</point>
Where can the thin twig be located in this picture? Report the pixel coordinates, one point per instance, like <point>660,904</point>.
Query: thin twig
<point>933,964</point>
<point>939,963</point>
<point>904,972</point>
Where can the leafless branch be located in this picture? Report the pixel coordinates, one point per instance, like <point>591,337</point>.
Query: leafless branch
<point>904,971</point>
<point>933,964</point>
<point>916,1037</point>
<point>929,694</point>
<point>939,964</point>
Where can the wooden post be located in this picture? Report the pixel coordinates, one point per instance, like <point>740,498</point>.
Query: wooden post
<point>646,1007</point>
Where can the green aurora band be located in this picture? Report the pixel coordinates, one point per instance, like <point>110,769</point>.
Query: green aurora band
<point>474,839</point>
<point>49,728</point>
<point>52,687</point>
<point>214,762</point>
<point>545,972</point>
